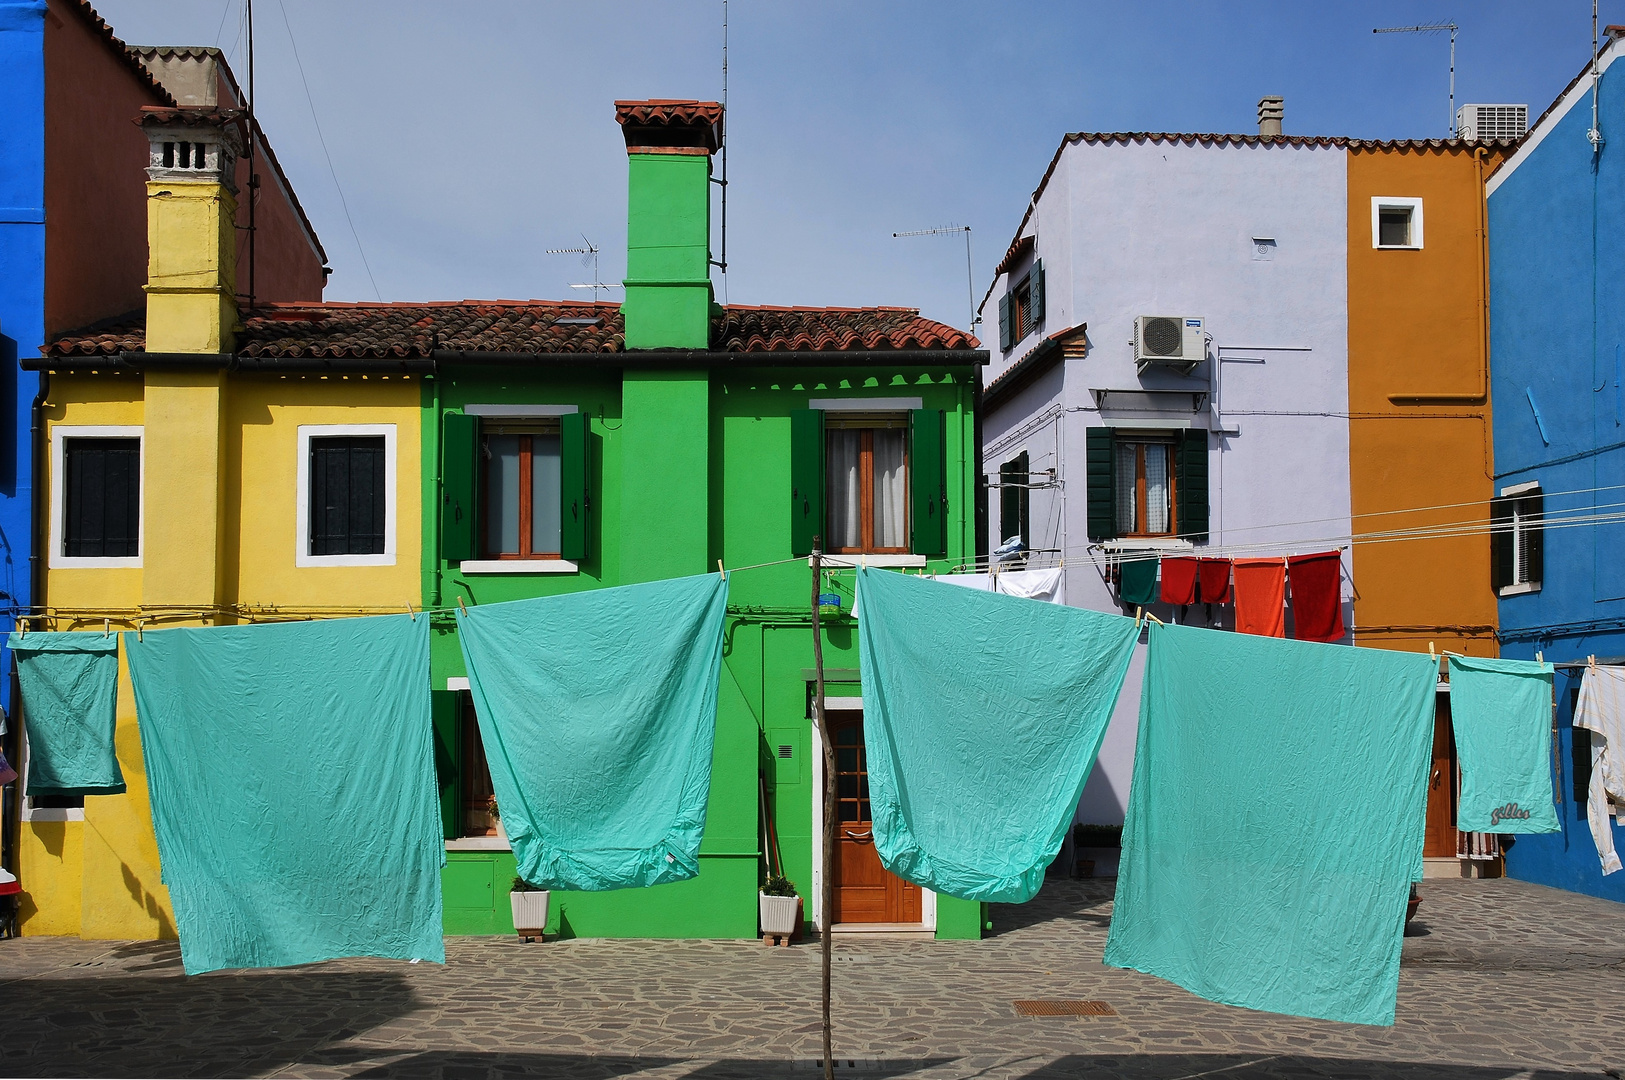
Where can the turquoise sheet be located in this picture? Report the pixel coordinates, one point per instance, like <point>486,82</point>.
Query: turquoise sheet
<point>70,701</point>
<point>1275,821</point>
<point>1502,713</point>
<point>291,770</point>
<point>598,711</point>
<point>982,716</point>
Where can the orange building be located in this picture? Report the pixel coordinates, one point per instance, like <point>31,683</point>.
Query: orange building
<point>1419,412</point>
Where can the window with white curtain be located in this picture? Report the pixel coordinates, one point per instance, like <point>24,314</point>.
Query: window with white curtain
<point>520,483</point>
<point>1145,489</point>
<point>867,491</point>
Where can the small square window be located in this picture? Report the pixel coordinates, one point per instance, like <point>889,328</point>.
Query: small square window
<point>1396,223</point>
<point>1394,227</point>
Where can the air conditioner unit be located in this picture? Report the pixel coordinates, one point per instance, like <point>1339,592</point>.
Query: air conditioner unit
<point>1485,123</point>
<point>1170,341</point>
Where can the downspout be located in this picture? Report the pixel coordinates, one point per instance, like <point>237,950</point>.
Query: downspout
<point>432,506</point>
<point>36,599</point>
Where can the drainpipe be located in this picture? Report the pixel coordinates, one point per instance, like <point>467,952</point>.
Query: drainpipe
<point>36,598</point>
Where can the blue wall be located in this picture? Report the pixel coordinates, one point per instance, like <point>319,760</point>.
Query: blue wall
<point>22,291</point>
<point>1557,335</point>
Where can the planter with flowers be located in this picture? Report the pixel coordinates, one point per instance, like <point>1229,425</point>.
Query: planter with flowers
<point>780,910</point>
<point>529,910</point>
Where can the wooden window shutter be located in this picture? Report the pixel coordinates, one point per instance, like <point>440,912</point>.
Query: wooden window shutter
<point>1035,293</point>
<point>1009,508</point>
<point>574,498</point>
<point>1101,443</point>
<point>1502,565</point>
<point>1534,536</point>
<point>1191,480</point>
<point>447,766</point>
<point>459,469</point>
<point>806,479</point>
<point>1004,323</point>
<point>929,481</point>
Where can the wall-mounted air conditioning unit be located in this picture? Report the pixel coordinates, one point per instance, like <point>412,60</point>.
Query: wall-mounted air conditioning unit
<point>1484,123</point>
<point>1170,341</point>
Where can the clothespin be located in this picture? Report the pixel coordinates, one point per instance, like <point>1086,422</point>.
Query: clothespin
<point>139,625</point>
<point>1431,653</point>
<point>107,627</point>
<point>720,570</point>
<point>1139,616</point>
<point>410,612</point>
<point>1540,656</point>
<point>1150,618</point>
<point>22,626</point>
<point>460,606</point>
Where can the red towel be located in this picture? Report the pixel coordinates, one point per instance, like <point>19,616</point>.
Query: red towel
<point>1317,603</point>
<point>1214,575</point>
<point>1179,581</point>
<point>1261,597</point>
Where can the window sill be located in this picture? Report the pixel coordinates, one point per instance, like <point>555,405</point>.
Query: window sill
<point>304,561</point>
<point>874,560</point>
<point>1519,590</point>
<point>1397,247</point>
<point>518,566</point>
<point>79,562</point>
<point>1148,543</point>
<point>479,843</point>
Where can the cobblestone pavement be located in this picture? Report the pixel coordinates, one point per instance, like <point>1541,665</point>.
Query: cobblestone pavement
<point>1500,980</point>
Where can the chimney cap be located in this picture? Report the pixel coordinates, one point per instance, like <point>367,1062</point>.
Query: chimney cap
<point>1271,111</point>
<point>670,124</point>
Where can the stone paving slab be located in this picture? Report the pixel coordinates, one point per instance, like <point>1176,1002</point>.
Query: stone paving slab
<point>1499,979</point>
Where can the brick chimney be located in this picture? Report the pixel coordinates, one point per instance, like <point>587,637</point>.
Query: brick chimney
<point>669,144</point>
<point>1271,111</point>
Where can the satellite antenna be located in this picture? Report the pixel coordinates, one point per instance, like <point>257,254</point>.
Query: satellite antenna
<point>1434,28</point>
<point>589,258</point>
<point>970,283</point>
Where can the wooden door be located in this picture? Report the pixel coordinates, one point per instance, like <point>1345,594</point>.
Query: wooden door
<point>1440,841</point>
<point>865,892</point>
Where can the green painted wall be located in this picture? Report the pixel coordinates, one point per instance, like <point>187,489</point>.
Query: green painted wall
<point>668,254</point>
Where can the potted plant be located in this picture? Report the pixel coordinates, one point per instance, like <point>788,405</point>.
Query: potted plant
<point>529,909</point>
<point>780,908</point>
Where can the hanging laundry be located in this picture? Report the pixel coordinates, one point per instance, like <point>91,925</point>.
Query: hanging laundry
<point>1502,714</point>
<point>598,711</point>
<point>70,694</point>
<point>1261,597</point>
<point>1179,581</point>
<point>1032,584</point>
<point>982,718</point>
<point>979,582</point>
<point>1275,822</point>
<point>1601,710</point>
<point>291,772</point>
<point>1214,580</point>
<point>1137,581</point>
<point>1317,599</point>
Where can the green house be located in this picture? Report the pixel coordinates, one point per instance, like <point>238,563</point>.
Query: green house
<point>578,446</point>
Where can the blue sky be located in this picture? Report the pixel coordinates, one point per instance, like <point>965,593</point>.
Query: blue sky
<point>470,137</point>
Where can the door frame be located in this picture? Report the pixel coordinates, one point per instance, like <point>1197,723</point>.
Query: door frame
<point>928,899</point>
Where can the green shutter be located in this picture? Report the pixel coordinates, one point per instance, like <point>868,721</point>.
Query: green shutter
<point>574,500</point>
<point>459,462</point>
<point>1191,480</point>
<point>447,766</point>
<point>1004,322</point>
<point>806,479</point>
<point>929,481</point>
<point>1102,451</point>
<point>1035,293</point>
<point>1009,509</point>
<point>1501,561</point>
<point>1534,537</point>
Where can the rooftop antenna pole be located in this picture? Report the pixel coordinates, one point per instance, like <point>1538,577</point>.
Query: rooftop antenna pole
<point>1595,134</point>
<point>1434,28</point>
<point>970,281</point>
<point>723,149</point>
<point>253,179</point>
<point>589,257</point>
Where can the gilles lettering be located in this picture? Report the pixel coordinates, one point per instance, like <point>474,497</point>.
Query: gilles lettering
<point>1510,812</point>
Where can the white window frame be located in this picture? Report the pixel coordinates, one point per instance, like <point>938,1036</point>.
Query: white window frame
<point>59,504</point>
<point>1519,527</point>
<point>301,539</point>
<point>1379,203</point>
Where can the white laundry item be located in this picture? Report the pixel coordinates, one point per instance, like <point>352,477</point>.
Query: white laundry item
<point>1033,584</point>
<point>979,582</point>
<point>1601,710</point>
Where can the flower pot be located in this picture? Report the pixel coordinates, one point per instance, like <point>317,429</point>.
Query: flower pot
<point>779,913</point>
<point>529,912</point>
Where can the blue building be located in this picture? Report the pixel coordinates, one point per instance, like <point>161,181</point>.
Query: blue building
<point>1557,347</point>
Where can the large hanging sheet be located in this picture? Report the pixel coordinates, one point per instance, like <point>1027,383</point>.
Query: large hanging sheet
<point>982,715</point>
<point>1275,821</point>
<point>1502,713</point>
<point>598,711</point>
<point>70,694</point>
<point>291,768</point>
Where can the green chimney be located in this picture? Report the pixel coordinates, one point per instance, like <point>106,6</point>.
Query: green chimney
<point>668,221</point>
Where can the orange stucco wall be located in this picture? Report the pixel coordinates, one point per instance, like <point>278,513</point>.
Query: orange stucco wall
<point>1419,428</point>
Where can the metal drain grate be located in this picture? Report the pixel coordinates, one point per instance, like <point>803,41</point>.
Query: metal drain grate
<point>1063,1007</point>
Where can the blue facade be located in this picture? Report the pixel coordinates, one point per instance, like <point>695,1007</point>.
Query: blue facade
<point>22,292</point>
<point>1557,348</point>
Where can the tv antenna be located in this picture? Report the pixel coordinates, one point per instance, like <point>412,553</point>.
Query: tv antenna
<point>1434,28</point>
<point>589,258</point>
<point>970,283</point>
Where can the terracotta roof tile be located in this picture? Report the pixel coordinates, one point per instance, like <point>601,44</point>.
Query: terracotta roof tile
<point>658,111</point>
<point>395,331</point>
<point>125,54</point>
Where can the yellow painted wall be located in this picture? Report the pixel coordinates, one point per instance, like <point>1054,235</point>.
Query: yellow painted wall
<point>100,878</point>
<point>1419,431</point>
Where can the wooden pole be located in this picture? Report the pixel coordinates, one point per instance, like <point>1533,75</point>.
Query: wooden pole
<point>827,903</point>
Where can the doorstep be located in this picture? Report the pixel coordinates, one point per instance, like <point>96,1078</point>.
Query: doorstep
<point>1449,867</point>
<point>883,930</point>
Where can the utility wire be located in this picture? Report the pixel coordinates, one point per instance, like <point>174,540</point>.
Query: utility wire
<point>325,153</point>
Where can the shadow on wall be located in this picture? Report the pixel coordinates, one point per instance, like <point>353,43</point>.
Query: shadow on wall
<point>149,903</point>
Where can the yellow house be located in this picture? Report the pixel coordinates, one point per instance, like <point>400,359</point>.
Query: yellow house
<point>192,475</point>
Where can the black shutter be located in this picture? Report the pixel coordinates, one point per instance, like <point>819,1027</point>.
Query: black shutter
<point>1502,565</point>
<point>806,479</point>
<point>1013,500</point>
<point>459,462</point>
<point>1533,510</point>
<point>447,760</point>
<point>1102,487</point>
<point>1035,294</point>
<point>573,496</point>
<point>929,481</point>
<point>1004,323</point>
<point>102,518</point>
<point>1191,481</point>
<point>347,497</point>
